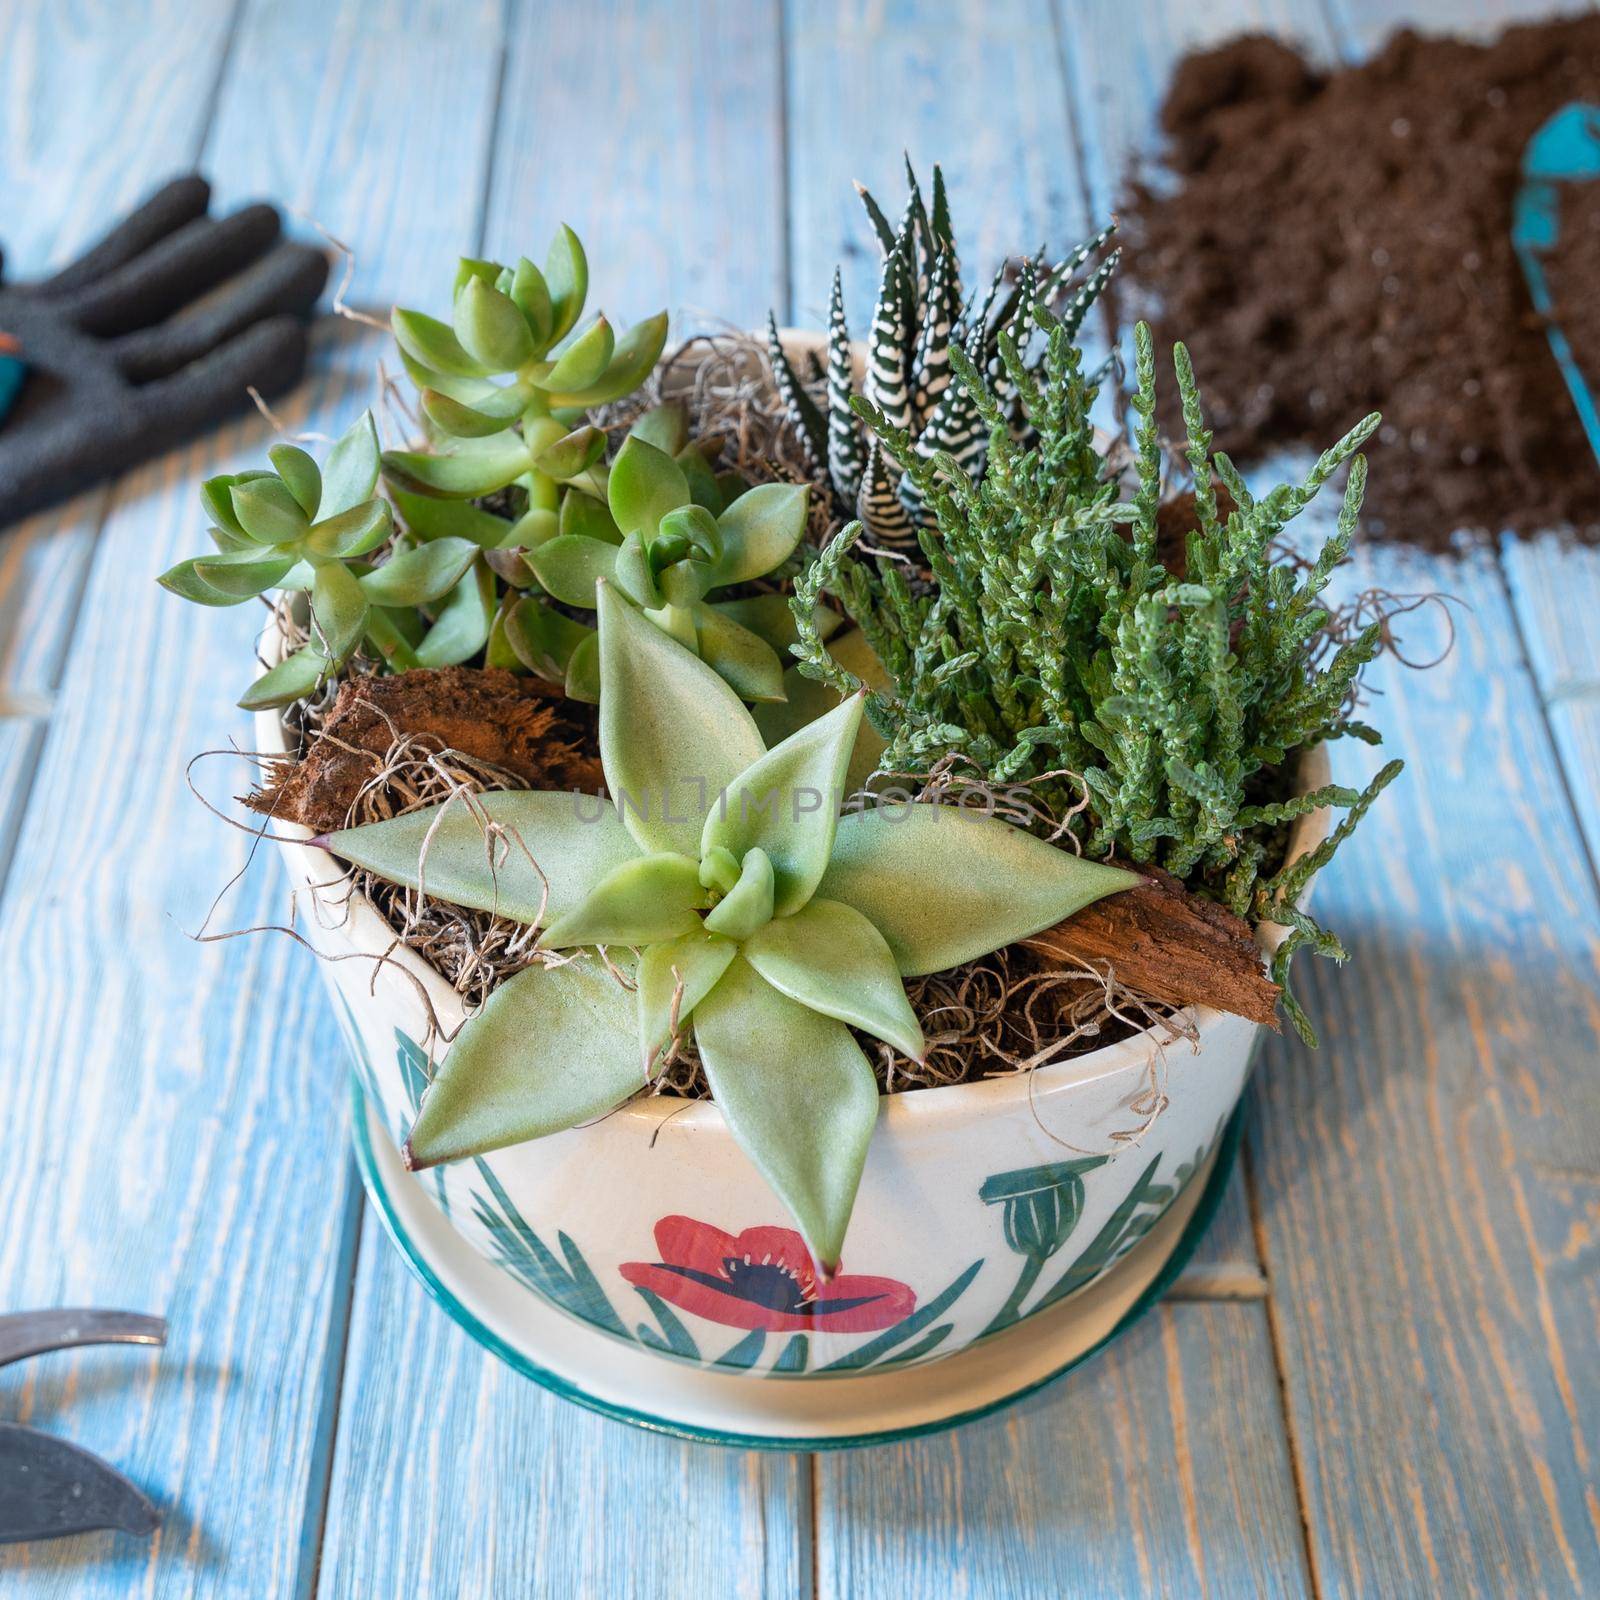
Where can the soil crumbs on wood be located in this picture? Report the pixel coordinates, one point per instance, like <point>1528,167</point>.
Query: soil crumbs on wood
<point>1339,243</point>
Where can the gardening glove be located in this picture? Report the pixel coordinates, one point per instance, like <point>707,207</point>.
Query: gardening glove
<point>149,338</point>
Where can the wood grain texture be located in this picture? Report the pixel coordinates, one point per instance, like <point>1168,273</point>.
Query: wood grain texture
<point>454,1476</point>
<point>80,80</point>
<point>373,121</point>
<point>175,1128</point>
<point>653,128</point>
<point>870,81</point>
<point>1555,590</point>
<point>1130,1477</point>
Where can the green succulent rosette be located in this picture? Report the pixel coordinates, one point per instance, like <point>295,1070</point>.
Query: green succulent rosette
<point>722,882</point>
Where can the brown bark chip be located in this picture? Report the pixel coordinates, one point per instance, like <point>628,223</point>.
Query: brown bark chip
<point>1166,944</point>
<point>1339,243</point>
<point>520,725</point>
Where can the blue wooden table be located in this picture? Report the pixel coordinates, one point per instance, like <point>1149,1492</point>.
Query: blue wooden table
<point>1379,1378</point>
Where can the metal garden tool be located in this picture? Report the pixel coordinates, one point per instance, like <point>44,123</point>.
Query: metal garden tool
<point>1566,149</point>
<point>49,1487</point>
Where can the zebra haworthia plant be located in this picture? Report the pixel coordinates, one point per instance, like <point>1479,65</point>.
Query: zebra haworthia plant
<point>918,319</point>
<point>757,918</point>
<point>310,528</point>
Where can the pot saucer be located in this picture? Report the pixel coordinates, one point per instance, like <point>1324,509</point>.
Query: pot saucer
<point>812,1413</point>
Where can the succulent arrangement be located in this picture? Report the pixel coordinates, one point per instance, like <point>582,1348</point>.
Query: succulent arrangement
<point>1052,647</point>
<point>721,881</point>
<point>723,898</point>
<point>920,326</point>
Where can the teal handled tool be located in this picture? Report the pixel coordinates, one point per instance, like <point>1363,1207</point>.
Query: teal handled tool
<point>13,369</point>
<point>1566,149</point>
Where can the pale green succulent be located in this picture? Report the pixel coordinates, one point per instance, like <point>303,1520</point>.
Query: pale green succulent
<point>301,527</point>
<point>503,396</point>
<point>667,537</point>
<point>756,916</point>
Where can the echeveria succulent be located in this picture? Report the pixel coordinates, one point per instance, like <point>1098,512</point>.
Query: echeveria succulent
<point>302,527</point>
<point>669,533</point>
<point>503,395</point>
<point>756,916</point>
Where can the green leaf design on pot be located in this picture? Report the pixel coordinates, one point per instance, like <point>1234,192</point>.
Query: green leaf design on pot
<point>762,922</point>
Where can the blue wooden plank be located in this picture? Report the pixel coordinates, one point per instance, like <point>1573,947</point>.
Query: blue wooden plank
<point>974,85</point>
<point>1158,1470</point>
<point>372,121</point>
<point>652,128</point>
<point>100,104</point>
<point>457,1476</point>
<point>175,1111</point>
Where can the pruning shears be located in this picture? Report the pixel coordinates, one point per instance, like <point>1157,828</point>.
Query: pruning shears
<point>49,1487</point>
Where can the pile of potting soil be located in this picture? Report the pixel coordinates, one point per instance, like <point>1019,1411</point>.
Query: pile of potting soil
<point>1339,243</point>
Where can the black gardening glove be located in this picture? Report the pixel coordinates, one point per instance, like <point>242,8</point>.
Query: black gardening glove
<point>148,339</point>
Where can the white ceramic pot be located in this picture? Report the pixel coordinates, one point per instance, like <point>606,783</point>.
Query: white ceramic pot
<point>980,1206</point>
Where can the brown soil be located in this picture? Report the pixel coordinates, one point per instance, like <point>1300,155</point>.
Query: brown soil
<point>1573,273</point>
<point>1340,244</point>
<point>521,726</point>
<point>1175,521</point>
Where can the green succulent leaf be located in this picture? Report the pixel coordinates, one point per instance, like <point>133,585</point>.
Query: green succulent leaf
<point>430,518</point>
<point>566,275</point>
<point>641,902</point>
<point>696,961</point>
<point>356,532</point>
<point>582,514</point>
<point>551,1048</point>
<point>683,583</point>
<point>245,573</point>
<point>268,512</point>
<point>770,617</point>
<point>830,958</point>
<point>664,426</point>
<point>470,267</point>
<point>490,327</point>
<point>673,735</point>
<point>798,1096</point>
<point>299,473</point>
<point>704,489</point>
<point>760,530</point>
<point>635,575</point>
<point>583,671</point>
<point>543,639</point>
<point>809,699</point>
<point>644,485</point>
<point>787,802</point>
<point>292,679</point>
<point>944,886</point>
<point>350,476</point>
<point>583,361</point>
<point>572,454</point>
<point>338,611</point>
<point>574,839</point>
<point>417,577</point>
<point>570,566</point>
<point>183,581</point>
<point>741,657</point>
<point>460,421</point>
<point>747,906</point>
<point>695,527</point>
<point>532,296</point>
<point>433,345</point>
<point>720,869</point>
<point>461,629</point>
<point>217,497</point>
<point>637,351</point>
<point>459,474</point>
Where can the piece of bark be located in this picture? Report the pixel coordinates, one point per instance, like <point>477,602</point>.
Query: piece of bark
<point>521,725</point>
<point>1166,944</point>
